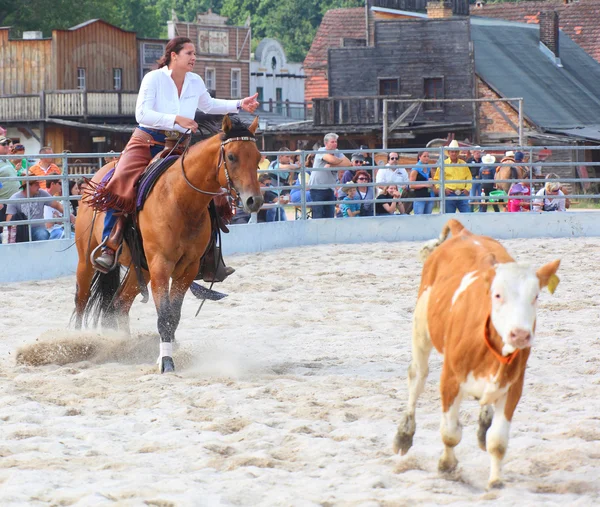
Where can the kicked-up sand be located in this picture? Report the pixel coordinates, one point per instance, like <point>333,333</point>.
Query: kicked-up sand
<point>288,392</point>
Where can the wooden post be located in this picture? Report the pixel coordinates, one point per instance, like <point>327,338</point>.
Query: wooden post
<point>43,114</point>
<point>385,125</point>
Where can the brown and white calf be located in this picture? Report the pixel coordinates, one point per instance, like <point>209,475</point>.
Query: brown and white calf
<point>477,307</point>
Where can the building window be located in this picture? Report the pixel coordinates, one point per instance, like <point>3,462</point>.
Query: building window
<point>434,89</point>
<point>236,83</point>
<point>210,79</point>
<point>389,86</point>
<point>80,78</point>
<point>117,79</point>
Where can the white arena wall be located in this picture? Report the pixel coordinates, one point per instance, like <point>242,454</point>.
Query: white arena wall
<point>52,259</point>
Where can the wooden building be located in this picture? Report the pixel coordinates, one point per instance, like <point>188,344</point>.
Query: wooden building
<point>77,89</point>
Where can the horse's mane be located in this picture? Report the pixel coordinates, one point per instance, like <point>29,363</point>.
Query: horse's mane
<point>210,124</point>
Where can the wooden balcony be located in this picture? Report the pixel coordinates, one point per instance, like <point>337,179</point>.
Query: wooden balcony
<point>355,110</point>
<point>67,104</point>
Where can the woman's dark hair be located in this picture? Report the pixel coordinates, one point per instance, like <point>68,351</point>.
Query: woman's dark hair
<point>420,154</point>
<point>357,174</point>
<point>175,45</point>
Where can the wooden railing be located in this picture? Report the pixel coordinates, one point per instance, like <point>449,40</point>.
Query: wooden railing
<point>355,110</point>
<point>66,103</point>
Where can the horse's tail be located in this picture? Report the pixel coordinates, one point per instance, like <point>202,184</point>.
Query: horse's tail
<point>451,226</point>
<point>100,306</point>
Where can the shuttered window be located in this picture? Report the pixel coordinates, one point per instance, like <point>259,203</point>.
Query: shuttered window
<point>80,78</point>
<point>236,83</point>
<point>117,79</point>
<point>434,89</point>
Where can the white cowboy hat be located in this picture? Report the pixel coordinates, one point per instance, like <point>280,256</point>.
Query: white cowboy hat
<point>488,159</point>
<point>453,144</point>
<point>510,154</point>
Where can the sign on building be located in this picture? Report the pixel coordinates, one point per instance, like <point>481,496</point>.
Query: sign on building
<point>213,42</point>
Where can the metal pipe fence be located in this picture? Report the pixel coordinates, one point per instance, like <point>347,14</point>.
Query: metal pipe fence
<point>299,183</point>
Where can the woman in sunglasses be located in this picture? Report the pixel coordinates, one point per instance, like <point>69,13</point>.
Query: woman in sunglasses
<point>363,192</point>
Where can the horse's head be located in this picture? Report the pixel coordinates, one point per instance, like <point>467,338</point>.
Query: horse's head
<point>240,162</point>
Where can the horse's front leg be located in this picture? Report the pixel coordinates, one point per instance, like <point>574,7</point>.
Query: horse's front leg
<point>160,274</point>
<point>179,288</point>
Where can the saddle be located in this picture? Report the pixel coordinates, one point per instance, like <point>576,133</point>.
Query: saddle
<point>212,268</point>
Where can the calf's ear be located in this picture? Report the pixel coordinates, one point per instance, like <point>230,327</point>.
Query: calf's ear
<point>547,275</point>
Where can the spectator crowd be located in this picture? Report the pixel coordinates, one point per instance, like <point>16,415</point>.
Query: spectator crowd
<point>329,182</point>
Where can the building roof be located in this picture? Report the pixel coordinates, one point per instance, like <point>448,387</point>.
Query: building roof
<point>579,20</point>
<point>335,25</point>
<point>509,59</point>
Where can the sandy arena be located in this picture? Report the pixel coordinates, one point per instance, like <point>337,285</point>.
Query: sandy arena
<point>288,392</point>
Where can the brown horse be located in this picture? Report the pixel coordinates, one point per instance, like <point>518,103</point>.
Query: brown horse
<point>175,226</point>
<point>509,172</point>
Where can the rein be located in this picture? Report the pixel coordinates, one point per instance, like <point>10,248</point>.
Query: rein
<point>222,162</point>
<point>503,359</point>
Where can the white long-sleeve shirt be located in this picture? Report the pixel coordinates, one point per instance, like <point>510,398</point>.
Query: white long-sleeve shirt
<point>158,103</point>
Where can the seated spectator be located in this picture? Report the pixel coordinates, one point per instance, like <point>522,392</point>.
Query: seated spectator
<point>389,208</point>
<point>286,170</point>
<point>57,229</point>
<point>21,164</point>
<point>264,163</point>
<point>357,161</point>
<point>350,207</point>
<point>515,204</point>
<point>75,190</point>
<point>44,167</point>
<point>486,175</point>
<point>296,192</point>
<point>364,192</point>
<point>271,214</point>
<point>552,197</point>
<point>33,210</point>
<point>368,160</point>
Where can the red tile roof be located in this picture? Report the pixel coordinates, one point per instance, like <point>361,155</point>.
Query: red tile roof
<point>336,24</point>
<point>579,20</point>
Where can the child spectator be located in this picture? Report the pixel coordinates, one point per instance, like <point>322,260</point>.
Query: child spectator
<point>515,204</point>
<point>349,206</point>
<point>389,208</point>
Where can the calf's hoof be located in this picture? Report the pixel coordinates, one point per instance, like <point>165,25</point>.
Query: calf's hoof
<point>447,464</point>
<point>402,443</point>
<point>404,436</point>
<point>495,484</point>
<point>167,365</point>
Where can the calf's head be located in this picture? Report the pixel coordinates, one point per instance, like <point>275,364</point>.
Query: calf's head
<point>514,291</point>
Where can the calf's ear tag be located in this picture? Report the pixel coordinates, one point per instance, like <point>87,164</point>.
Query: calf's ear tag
<point>553,283</point>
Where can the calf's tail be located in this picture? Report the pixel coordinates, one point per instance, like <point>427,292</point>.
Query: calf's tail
<point>451,226</point>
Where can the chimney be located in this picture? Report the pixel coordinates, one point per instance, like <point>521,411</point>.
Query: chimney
<point>549,31</point>
<point>439,10</point>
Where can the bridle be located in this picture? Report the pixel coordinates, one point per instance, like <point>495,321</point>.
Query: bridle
<point>222,162</point>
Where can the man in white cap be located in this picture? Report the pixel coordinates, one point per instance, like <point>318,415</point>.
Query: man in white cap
<point>460,171</point>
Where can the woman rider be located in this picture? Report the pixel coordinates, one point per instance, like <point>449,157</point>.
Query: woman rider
<point>165,109</point>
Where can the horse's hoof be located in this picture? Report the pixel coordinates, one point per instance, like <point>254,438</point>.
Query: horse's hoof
<point>167,365</point>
